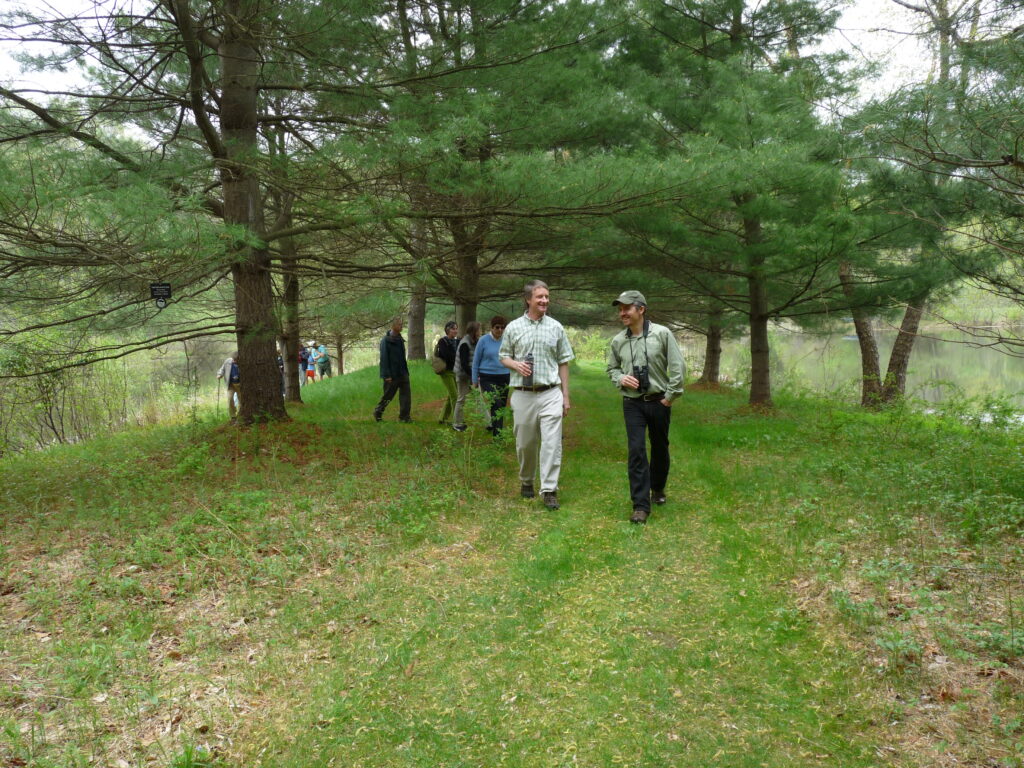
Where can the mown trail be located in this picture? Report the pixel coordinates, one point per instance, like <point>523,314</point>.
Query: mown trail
<point>528,638</point>
<point>338,592</point>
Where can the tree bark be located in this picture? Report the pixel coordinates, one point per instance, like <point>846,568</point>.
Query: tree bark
<point>416,333</point>
<point>760,351</point>
<point>757,287</point>
<point>870,368</point>
<point>339,343</point>
<point>895,385</point>
<point>465,313</point>
<point>291,325</point>
<point>256,326</point>
<point>712,354</point>
<point>468,244</point>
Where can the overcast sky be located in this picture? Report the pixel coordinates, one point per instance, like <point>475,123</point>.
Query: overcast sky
<point>882,31</point>
<point>870,30</point>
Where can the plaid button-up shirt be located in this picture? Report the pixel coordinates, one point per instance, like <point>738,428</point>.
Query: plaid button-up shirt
<point>546,339</point>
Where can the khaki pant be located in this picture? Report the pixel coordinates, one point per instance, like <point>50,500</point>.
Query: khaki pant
<point>465,386</point>
<point>537,418</point>
<point>233,389</point>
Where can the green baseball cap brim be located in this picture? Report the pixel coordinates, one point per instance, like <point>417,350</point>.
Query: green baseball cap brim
<point>630,297</point>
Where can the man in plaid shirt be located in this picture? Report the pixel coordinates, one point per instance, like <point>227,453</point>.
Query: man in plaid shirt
<point>536,350</point>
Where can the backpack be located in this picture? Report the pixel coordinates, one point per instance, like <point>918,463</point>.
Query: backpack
<point>438,363</point>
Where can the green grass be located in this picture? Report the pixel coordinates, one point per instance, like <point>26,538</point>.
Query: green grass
<point>338,592</point>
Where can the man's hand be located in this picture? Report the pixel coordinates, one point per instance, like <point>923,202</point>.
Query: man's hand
<point>565,403</point>
<point>666,403</point>
<point>522,367</point>
<point>387,381</point>
<point>629,382</point>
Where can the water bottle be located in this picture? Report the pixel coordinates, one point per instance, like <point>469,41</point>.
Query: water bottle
<point>528,380</point>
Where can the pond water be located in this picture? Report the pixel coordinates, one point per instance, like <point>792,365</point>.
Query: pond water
<point>943,364</point>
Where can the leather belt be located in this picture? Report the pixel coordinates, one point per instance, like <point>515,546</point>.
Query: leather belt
<point>544,388</point>
<point>652,397</point>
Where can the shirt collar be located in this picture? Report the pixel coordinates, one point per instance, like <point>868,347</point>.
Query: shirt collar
<point>647,329</point>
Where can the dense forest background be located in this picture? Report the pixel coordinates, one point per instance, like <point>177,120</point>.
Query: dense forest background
<point>301,170</point>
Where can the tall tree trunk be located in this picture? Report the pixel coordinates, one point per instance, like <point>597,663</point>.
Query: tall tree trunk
<point>467,246</point>
<point>256,327</point>
<point>291,324</point>
<point>465,313</point>
<point>757,287</point>
<point>416,331</point>
<point>870,369</point>
<point>712,352</point>
<point>339,342</point>
<point>737,32</point>
<point>416,344</point>
<point>760,351</point>
<point>895,385</point>
<point>469,286</point>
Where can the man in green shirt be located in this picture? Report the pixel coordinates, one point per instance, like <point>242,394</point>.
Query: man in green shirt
<point>645,363</point>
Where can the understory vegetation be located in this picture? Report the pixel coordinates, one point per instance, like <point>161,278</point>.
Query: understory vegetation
<point>825,587</point>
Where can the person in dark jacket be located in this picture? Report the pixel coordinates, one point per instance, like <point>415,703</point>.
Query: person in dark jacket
<point>445,349</point>
<point>394,370</point>
<point>303,364</point>
<point>464,372</point>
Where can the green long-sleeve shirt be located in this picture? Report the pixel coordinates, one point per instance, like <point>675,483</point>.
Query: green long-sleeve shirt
<point>658,349</point>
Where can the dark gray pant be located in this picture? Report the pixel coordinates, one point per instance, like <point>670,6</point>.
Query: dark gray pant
<point>643,419</point>
<point>401,386</point>
<point>498,384</point>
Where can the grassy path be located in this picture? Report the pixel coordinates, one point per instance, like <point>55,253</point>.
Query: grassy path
<point>338,592</point>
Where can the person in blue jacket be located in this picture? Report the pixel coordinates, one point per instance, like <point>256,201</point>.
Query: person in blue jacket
<point>490,375</point>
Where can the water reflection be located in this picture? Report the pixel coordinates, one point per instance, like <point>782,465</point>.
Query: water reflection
<point>942,364</point>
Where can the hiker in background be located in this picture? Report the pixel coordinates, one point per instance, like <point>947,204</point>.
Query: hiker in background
<point>323,362</point>
<point>536,349</point>
<point>229,371</point>
<point>314,356</point>
<point>303,364</point>
<point>444,351</point>
<point>310,361</point>
<point>464,372</point>
<point>394,371</point>
<point>490,375</point>
<point>646,365</point>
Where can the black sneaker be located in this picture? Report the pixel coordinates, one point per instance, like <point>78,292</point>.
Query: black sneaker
<point>459,427</point>
<point>406,421</point>
<point>658,497</point>
<point>377,416</point>
<point>550,499</point>
<point>639,516</point>
<point>527,492</point>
